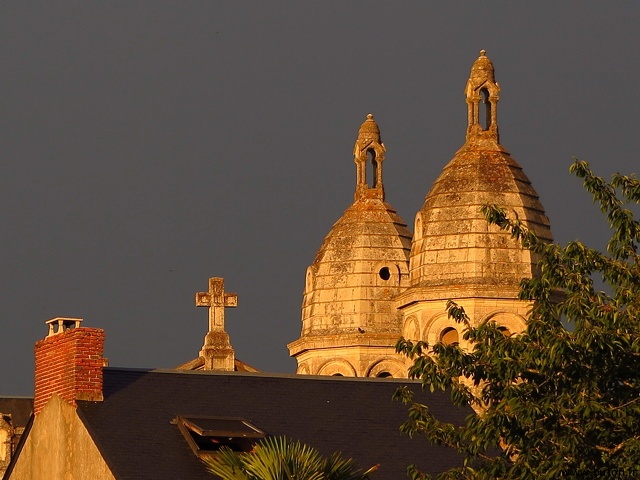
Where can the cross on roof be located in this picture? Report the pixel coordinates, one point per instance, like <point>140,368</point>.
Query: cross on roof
<point>216,299</point>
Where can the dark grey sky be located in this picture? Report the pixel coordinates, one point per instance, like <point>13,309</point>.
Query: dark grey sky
<point>147,146</point>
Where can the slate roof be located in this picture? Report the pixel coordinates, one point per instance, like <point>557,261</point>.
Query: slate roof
<point>19,408</point>
<point>133,427</point>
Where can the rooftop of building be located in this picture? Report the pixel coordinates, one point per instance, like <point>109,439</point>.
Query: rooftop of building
<point>135,426</point>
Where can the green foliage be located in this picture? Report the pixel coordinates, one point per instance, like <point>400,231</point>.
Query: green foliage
<point>555,402</point>
<point>278,459</point>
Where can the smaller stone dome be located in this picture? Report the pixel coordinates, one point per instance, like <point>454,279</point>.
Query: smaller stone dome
<point>363,260</point>
<point>349,317</point>
<point>360,267</point>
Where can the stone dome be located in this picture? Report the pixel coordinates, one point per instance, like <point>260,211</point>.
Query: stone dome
<point>363,261</point>
<point>454,248</point>
<point>361,265</point>
<point>350,322</point>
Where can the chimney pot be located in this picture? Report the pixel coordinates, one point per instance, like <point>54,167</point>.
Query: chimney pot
<point>62,324</point>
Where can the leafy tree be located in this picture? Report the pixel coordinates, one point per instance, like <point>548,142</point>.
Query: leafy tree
<point>278,459</point>
<point>553,401</point>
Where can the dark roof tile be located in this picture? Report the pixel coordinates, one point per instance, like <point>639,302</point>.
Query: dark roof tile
<point>132,426</point>
<point>19,408</point>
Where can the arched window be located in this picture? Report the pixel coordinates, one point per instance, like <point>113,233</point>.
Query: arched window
<point>484,115</point>
<point>449,336</point>
<point>418,228</point>
<point>384,375</point>
<point>505,331</point>
<point>411,329</point>
<point>373,169</point>
<point>309,280</point>
<point>337,368</point>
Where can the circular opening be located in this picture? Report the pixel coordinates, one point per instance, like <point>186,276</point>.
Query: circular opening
<point>384,273</point>
<point>337,375</point>
<point>384,375</point>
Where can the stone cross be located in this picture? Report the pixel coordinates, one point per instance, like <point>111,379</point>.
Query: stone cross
<point>217,300</point>
<point>217,351</point>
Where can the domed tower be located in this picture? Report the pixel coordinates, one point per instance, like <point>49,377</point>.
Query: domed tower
<point>350,323</point>
<point>455,253</point>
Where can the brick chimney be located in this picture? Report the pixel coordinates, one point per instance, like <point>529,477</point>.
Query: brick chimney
<point>69,363</point>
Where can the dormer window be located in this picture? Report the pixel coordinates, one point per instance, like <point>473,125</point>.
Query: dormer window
<point>205,435</point>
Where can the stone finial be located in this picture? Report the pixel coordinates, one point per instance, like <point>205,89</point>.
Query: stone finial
<point>369,131</point>
<point>217,351</point>
<point>482,92</point>
<point>369,146</point>
<point>482,69</point>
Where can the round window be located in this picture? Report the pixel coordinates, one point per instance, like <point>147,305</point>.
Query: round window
<point>384,273</point>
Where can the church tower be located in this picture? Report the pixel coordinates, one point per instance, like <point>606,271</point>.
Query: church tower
<point>455,253</point>
<point>350,323</point>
